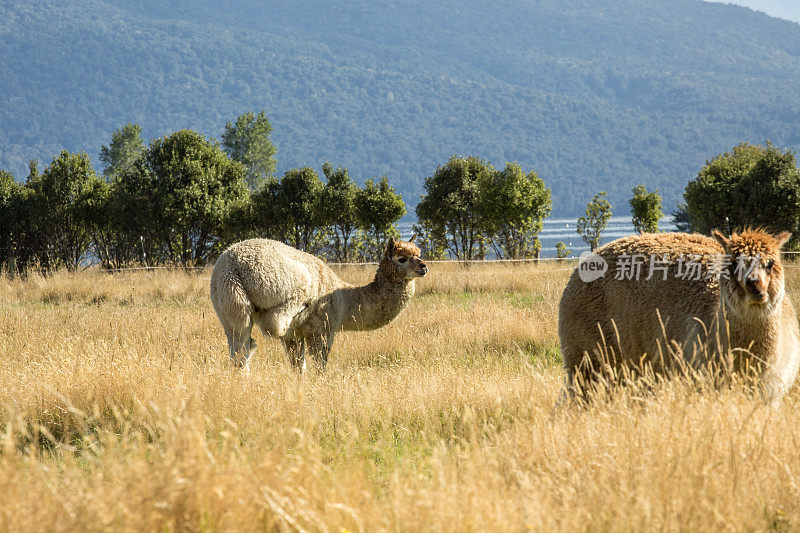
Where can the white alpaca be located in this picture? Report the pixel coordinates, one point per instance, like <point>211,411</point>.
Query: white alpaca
<point>295,296</point>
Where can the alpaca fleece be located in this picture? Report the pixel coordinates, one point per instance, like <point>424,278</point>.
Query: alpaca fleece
<point>296,297</point>
<point>717,317</point>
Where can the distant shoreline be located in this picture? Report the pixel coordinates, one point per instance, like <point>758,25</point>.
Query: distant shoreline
<point>563,230</point>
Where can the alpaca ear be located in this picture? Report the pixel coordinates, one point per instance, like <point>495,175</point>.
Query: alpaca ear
<point>413,236</point>
<point>782,237</point>
<point>720,238</point>
<point>390,246</point>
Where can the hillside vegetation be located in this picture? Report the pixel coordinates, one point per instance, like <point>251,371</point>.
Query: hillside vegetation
<point>120,412</point>
<point>785,9</point>
<point>592,94</point>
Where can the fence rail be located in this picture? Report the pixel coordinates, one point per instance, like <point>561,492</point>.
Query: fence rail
<point>366,263</point>
<point>569,260</point>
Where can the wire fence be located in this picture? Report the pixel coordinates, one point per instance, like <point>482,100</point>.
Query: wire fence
<point>542,260</point>
<point>569,260</point>
<point>368,263</point>
<point>152,268</point>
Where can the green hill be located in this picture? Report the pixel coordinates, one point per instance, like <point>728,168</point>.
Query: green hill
<point>785,9</point>
<point>592,94</point>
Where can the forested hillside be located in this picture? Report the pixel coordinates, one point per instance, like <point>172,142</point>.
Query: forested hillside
<point>785,9</point>
<point>591,94</point>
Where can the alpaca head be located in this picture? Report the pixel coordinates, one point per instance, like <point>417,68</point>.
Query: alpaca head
<point>401,261</point>
<point>754,279</point>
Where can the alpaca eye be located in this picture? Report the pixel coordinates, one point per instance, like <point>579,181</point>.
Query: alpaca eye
<point>402,260</point>
<point>770,264</point>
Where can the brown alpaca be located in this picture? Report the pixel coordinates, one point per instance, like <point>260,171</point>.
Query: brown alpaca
<point>296,297</point>
<point>729,317</point>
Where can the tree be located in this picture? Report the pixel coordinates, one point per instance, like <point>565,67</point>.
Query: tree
<point>10,192</point>
<point>645,209</point>
<point>125,149</point>
<point>61,205</point>
<point>513,205</point>
<point>591,225</point>
<point>378,208</point>
<point>337,208</point>
<point>298,205</point>
<point>123,231</point>
<point>681,219</point>
<point>129,228</point>
<point>449,207</point>
<point>265,214</point>
<point>432,246</point>
<point>750,186</point>
<point>562,252</point>
<point>194,188</point>
<point>29,240</point>
<point>248,142</point>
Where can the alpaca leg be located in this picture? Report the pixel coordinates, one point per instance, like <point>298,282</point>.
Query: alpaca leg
<point>234,309</point>
<point>566,397</point>
<point>327,351</point>
<point>296,348</point>
<point>574,361</point>
<point>303,356</point>
<point>569,382</point>
<point>320,347</point>
<point>241,345</point>
<point>582,376</point>
<point>776,382</point>
<point>253,347</point>
<point>235,341</point>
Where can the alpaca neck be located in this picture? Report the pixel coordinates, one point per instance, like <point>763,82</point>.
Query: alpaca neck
<point>752,327</point>
<point>376,304</point>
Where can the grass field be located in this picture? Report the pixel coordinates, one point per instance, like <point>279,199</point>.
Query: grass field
<point>119,411</point>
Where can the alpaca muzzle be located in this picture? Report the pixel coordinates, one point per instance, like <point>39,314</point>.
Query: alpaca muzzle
<point>756,290</point>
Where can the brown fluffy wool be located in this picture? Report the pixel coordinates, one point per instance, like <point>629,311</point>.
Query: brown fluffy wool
<point>670,323</point>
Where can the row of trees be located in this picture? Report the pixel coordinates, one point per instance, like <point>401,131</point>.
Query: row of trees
<point>180,204</point>
<point>755,186</point>
<point>171,204</point>
<point>469,204</point>
<point>338,219</point>
<point>472,208</point>
<point>751,186</point>
<point>645,215</point>
<point>182,198</point>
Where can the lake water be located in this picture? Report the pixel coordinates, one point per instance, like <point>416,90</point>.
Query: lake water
<point>563,229</point>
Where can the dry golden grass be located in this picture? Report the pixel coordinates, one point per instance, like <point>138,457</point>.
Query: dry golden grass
<point>119,411</point>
